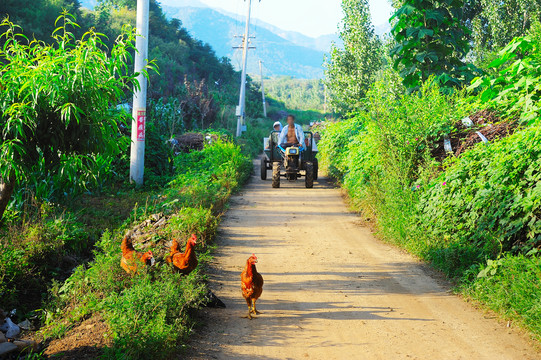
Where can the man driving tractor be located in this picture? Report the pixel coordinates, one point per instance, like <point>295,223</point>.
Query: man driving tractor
<point>292,134</point>
<point>291,155</point>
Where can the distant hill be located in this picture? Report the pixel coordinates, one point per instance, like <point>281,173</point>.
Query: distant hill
<point>281,51</point>
<point>284,53</point>
<point>321,43</point>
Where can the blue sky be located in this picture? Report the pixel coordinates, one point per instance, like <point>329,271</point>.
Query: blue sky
<point>309,17</point>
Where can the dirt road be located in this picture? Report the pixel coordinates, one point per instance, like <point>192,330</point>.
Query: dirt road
<point>333,291</point>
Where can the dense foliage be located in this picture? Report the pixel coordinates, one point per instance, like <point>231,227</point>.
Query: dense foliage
<point>514,87</point>
<point>296,94</point>
<point>431,40</point>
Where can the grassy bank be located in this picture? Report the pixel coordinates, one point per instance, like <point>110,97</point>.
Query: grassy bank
<point>473,214</point>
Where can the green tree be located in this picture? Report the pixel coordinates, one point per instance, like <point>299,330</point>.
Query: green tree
<point>431,40</point>
<point>56,100</point>
<point>490,17</point>
<point>351,70</point>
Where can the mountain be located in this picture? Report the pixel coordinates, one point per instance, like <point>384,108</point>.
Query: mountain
<point>283,52</point>
<point>321,43</point>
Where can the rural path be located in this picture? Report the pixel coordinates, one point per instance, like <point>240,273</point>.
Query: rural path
<point>333,291</point>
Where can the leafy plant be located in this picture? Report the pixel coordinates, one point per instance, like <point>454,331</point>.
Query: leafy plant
<point>515,89</point>
<point>431,41</point>
<point>489,197</point>
<point>56,101</point>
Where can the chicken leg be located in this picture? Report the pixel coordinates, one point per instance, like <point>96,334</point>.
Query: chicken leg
<point>249,309</point>
<point>254,310</point>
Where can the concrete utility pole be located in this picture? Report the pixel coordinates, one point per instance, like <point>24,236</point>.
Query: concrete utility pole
<point>263,89</point>
<point>241,109</point>
<point>139,112</point>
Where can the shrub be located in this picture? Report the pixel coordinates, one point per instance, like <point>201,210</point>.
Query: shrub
<point>488,199</point>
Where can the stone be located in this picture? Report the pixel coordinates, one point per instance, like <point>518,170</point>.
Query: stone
<point>25,345</point>
<point>26,325</point>
<point>10,328</point>
<point>2,338</point>
<point>6,348</point>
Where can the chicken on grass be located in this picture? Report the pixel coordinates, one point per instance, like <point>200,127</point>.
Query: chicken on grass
<point>132,260</point>
<point>251,284</point>
<point>185,262</point>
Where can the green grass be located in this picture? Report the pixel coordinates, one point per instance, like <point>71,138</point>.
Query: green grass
<point>511,288</point>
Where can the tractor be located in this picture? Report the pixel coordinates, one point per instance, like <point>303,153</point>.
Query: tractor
<point>291,162</point>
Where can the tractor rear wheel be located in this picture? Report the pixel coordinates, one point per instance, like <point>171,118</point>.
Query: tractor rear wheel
<point>309,179</point>
<point>275,174</point>
<point>316,169</point>
<point>263,169</point>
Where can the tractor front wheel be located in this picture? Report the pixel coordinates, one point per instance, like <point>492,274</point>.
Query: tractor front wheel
<point>263,169</point>
<point>309,179</point>
<point>275,174</point>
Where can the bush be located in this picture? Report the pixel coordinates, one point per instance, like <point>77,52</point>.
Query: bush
<point>384,153</point>
<point>488,199</point>
<point>149,318</point>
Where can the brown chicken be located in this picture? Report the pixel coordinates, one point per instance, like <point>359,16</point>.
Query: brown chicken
<point>185,262</point>
<point>251,284</point>
<point>131,259</point>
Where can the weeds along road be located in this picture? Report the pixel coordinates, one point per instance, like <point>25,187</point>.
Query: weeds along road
<point>333,291</point>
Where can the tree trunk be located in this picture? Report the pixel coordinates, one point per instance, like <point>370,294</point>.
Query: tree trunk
<point>6,190</point>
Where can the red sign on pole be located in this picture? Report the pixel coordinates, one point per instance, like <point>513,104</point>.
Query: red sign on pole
<point>141,119</point>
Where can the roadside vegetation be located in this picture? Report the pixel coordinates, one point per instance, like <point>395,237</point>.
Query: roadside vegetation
<point>148,314</point>
<point>411,151</point>
<point>66,198</point>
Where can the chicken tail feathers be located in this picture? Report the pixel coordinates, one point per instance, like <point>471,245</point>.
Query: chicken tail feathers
<point>127,246</point>
<point>212,301</point>
<point>175,247</point>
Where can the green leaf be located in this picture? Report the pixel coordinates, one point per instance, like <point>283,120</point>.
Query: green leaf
<point>435,14</point>
<point>404,10</point>
<point>424,33</point>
